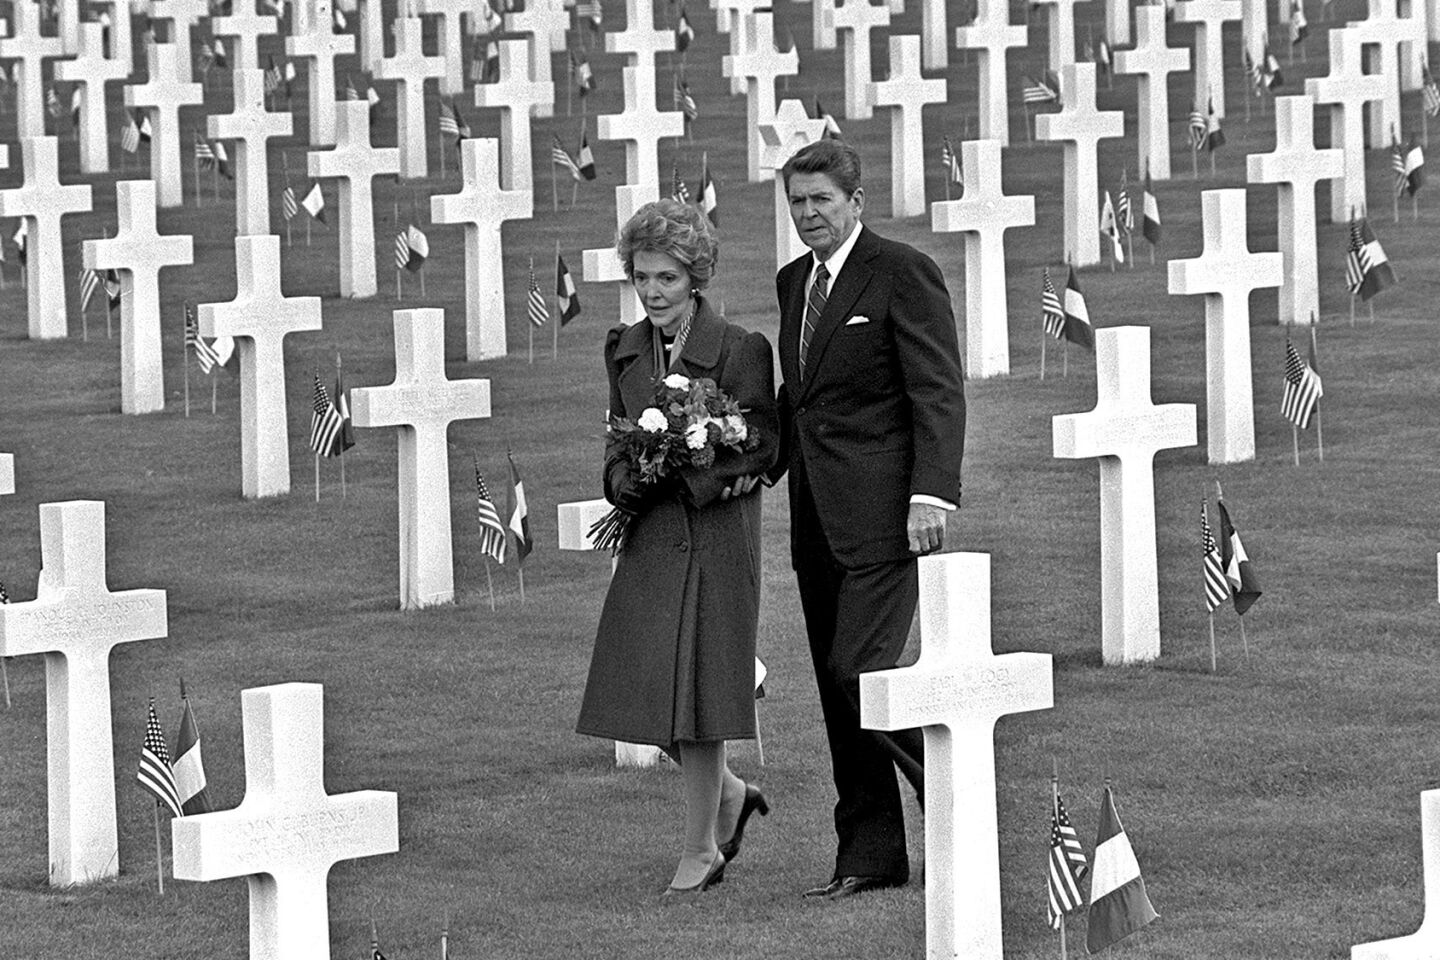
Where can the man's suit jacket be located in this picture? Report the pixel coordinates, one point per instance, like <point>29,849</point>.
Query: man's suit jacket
<point>879,414</point>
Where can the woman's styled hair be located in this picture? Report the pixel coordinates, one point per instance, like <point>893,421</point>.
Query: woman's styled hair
<point>674,228</point>
<point>835,158</point>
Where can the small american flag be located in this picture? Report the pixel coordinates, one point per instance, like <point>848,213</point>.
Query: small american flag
<point>89,283</point>
<point>1431,92</point>
<point>492,531</point>
<point>326,424</point>
<point>684,102</point>
<point>205,354</point>
<point>155,772</point>
<point>130,136</point>
<point>1397,164</point>
<point>950,160</point>
<point>678,190</point>
<point>1038,91</point>
<point>1198,129</point>
<point>1124,214</point>
<point>561,158</point>
<point>288,203</point>
<point>1302,388</point>
<point>1217,588</point>
<point>1051,312</point>
<point>402,251</point>
<point>539,313</point>
<point>203,153</point>
<point>1354,269</point>
<point>1067,866</point>
<point>449,124</point>
<point>272,77</point>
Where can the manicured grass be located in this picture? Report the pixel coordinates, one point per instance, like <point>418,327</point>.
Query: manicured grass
<point>1272,805</point>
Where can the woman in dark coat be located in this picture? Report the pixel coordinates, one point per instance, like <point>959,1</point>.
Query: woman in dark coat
<point>674,660</point>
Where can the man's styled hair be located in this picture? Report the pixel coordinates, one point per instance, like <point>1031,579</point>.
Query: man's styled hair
<point>836,158</point>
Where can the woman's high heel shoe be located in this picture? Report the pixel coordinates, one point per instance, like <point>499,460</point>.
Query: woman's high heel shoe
<point>754,800</point>
<point>715,875</point>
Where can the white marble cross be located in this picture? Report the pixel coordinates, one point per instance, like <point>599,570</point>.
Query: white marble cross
<point>250,126</point>
<point>30,50</point>
<point>990,35</point>
<point>1117,23</point>
<point>1405,21</point>
<point>482,205</point>
<point>546,21</point>
<point>259,318</point>
<point>75,621</point>
<point>120,33</point>
<point>1226,273</point>
<point>1381,42</point>
<point>245,27</point>
<point>67,24</point>
<point>853,22</point>
<point>1346,90</point>
<point>780,139</point>
<point>956,691</point>
<point>906,93</point>
<point>1209,17</point>
<point>91,70</point>
<point>410,68</point>
<point>355,163</point>
<point>138,252</point>
<point>822,25</point>
<point>318,47</point>
<point>759,65</point>
<point>642,45</point>
<point>288,832</point>
<point>1296,166</point>
<point>1080,127</point>
<point>43,201</point>
<point>422,402</point>
<point>733,17</point>
<point>372,33</point>
<point>1060,28</point>
<point>162,95</point>
<point>1424,943</point>
<point>574,521</point>
<point>518,98</point>
<point>935,35</point>
<point>602,264</point>
<point>641,126</point>
<point>1153,60</point>
<point>452,42</point>
<point>1125,431</point>
<point>983,215</point>
<point>183,16</point>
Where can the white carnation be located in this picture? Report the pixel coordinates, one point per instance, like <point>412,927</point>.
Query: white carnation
<point>653,421</point>
<point>696,436</point>
<point>736,427</point>
<point>677,381</point>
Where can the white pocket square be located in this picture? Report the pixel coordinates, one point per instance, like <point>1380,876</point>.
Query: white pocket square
<point>853,321</point>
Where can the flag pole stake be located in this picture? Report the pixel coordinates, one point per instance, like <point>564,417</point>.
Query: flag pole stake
<point>1043,337</point>
<point>1295,442</point>
<point>187,380</point>
<point>520,570</point>
<point>159,860</point>
<point>1212,641</point>
<point>212,391</point>
<point>317,478</point>
<point>490,582</point>
<point>1243,640</point>
<point>5,680</point>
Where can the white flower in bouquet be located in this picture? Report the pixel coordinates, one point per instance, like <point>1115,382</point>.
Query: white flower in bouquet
<point>652,421</point>
<point>696,436</point>
<point>735,428</point>
<point>677,381</point>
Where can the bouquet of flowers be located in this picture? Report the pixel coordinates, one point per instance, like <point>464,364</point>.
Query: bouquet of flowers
<point>689,422</point>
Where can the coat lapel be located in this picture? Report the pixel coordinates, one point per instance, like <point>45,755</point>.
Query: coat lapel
<point>702,347</point>
<point>790,319</point>
<point>844,291</point>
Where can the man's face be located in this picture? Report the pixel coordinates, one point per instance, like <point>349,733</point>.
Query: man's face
<point>824,215</point>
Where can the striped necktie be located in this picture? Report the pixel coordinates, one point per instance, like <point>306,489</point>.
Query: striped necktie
<point>813,308</point>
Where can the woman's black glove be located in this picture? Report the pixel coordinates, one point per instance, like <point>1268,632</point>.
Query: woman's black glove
<point>636,496</point>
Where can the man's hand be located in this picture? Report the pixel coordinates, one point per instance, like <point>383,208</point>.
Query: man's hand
<point>739,487</point>
<point>925,527</point>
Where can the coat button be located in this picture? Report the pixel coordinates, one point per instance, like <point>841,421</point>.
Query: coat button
<point>682,546</point>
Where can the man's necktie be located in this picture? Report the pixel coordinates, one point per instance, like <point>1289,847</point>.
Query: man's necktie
<point>813,308</point>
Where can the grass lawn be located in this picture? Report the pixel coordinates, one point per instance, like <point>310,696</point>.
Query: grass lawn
<point>1273,805</point>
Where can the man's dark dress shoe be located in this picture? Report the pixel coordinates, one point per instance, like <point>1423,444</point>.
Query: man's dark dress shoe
<point>754,800</point>
<point>850,886</point>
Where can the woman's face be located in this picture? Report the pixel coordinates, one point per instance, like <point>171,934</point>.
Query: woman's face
<point>663,285</point>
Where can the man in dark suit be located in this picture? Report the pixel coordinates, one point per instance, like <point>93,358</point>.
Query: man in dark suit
<point>873,426</point>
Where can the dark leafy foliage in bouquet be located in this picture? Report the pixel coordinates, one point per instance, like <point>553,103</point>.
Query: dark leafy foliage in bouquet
<point>690,422</point>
